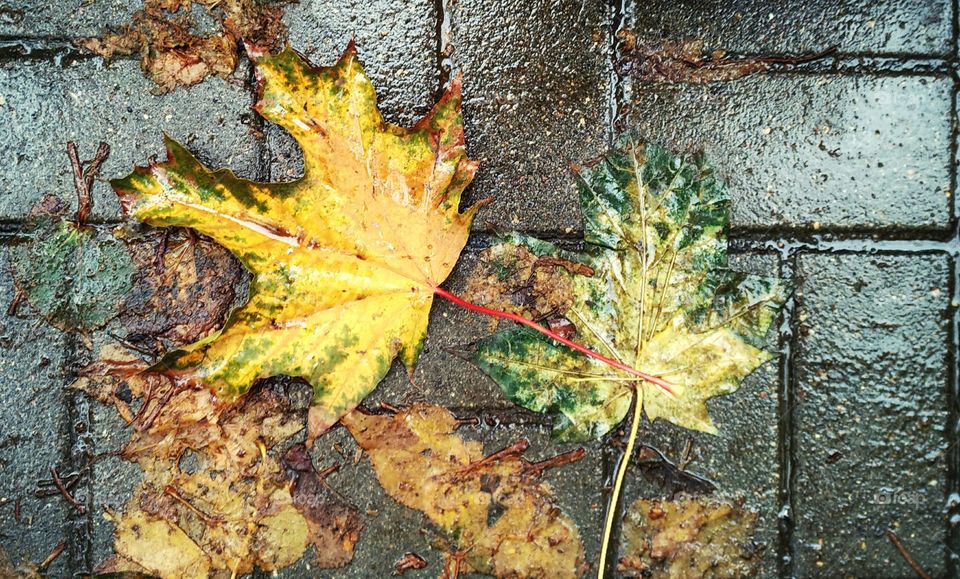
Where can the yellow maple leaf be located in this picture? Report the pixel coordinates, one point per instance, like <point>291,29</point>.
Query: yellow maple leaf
<point>345,260</point>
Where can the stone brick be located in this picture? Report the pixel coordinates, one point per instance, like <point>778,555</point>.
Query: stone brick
<point>870,413</point>
<point>45,105</point>
<point>536,84</point>
<point>831,152</point>
<point>742,26</point>
<point>114,479</point>
<point>66,19</point>
<point>34,436</point>
<point>741,459</point>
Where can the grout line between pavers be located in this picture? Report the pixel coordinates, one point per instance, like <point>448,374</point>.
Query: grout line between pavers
<point>444,32</point>
<point>786,422</point>
<point>79,527</point>
<point>952,547</point>
<point>952,491</point>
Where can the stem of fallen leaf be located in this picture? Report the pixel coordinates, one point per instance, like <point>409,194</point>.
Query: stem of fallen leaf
<point>173,492</point>
<point>18,296</point>
<point>537,468</point>
<point>328,471</point>
<point>83,178</point>
<point>921,573</point>
<point>80,507</point>
<point>471,421</point>
<point>389,407</point>
<point>667,386</point>
<point>618,485</point>
<point>56,552</point>
<point>514,449</point>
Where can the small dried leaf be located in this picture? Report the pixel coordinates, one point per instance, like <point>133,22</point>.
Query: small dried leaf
<point>495,515</point>
<point>183,289</point>
<point>74,276</point>
<point>684,61</point>
<point>173,55</point>
<point>689,538</point>
<point>334,524</point>
<point>512,278</point>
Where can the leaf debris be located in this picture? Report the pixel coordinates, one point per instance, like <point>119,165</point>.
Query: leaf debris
<point>173,54</point>
<point>688,61</point>
<point>689,538</point>
<point>214,495</point>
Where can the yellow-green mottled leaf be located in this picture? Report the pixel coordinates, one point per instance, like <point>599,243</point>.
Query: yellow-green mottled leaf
<point>661,299</point>
<point>344,259</point>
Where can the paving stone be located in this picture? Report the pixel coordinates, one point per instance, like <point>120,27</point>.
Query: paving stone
<point>34,436</point>
<point>870,413</point>
<point>741,459</point>
<point>860,27</point>
<point>396,42</point>
<point>536,82</point>
<point>831,152</point>
<point>65,19</point>
<point>45,105</point>
<point>114,479</point>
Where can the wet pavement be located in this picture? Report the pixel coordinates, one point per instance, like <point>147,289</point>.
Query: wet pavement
<point>842,173</point>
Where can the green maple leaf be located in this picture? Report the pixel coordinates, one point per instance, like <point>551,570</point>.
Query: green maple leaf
<point>345,260</point>
<point>661,300</point>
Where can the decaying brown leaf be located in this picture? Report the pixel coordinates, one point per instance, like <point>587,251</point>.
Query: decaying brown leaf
<point>689,538</point>
<point>334,524</point>
<point>183,288</point>
<point>683,61</point>
<point>495,514</point>
<point>409,561</point>
<point>174,54</point>
<point>513,279</point>
<point>688,61</point>
<point>213,497</point>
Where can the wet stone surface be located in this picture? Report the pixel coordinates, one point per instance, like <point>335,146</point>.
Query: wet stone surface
<point>870,412</point>
<point>65,19</point>
<point>45,105</point>
<point>860,156</point>
<point>815,152</point>
<point>883,27</point>
<point>395,42</point>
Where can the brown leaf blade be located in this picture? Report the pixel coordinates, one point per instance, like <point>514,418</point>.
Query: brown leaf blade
<point>689,538</point>
<point>495,515</point>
